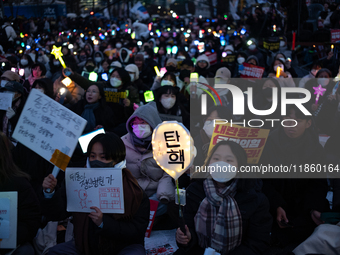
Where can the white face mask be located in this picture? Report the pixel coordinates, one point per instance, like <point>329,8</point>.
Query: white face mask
<point>275,67</point>
<point>167,83</point>
<point>132,77</point>
<point>282,43</point>
<point>142,130</point>
<point>98,59</point>
<point>24,62</point>
<point>209,127</point>
<point>252,47</point>
<point>3,83</point>
<point>241,60</point>
<point>225,173</point>
<point>118,45</point>
<point>168,103</point>
<point>323,81</point>
<point>115,82</point>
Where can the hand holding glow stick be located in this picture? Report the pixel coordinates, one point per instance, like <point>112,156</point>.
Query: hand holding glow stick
<point>318,91</point>
<point>278,72</point>
<point>157,71</point>
<point>56,51</point>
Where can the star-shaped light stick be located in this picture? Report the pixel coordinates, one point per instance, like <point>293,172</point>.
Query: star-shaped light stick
<point>58,55</point>
<point>318,91</point>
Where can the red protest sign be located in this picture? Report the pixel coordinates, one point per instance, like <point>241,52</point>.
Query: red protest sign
<point>335,35</point>
<point>153,209</point>
<point>251,71</point>
<point>212,57</point>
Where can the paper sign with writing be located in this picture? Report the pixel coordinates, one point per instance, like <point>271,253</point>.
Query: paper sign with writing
<point>86,187</point>
<point>113,96</point>
<point>8,219</point>
<point>252,140</point>
<point>5,101</point>
<point>48,128</point>
<point>335,35</point>
<point>230,58</point>
<point>251,71</point>
<point>212,57</point>
<point>153,210</point>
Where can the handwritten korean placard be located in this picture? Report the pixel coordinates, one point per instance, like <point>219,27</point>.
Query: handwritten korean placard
<point>8,219</point>
<point>5,101</point>
<point>86,187</point>
<point>47,127</point>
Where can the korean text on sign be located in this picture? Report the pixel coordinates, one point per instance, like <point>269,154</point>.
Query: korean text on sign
<point>176,155</point>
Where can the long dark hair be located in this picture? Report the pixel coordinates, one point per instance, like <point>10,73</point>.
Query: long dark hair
<point>7,167</point>
<point>102,100</point>
<point>167,90</point>
<point>113,146</point>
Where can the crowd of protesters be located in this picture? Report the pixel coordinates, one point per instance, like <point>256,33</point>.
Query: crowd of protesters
<point>230,215</point>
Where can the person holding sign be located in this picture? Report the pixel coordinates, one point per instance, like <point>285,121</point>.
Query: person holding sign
<point>38,72</point>
<point>227,214</point>
<point>29,215</point>
<point>284,77</point>
<point>96,233</point>
<point>139,157</point>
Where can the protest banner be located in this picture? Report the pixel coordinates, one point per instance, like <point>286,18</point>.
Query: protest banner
<point>49,129</point>
<point>252,140</point>
<point>212,57</point>
<point>86,187</point>
<point>251,71</point>
<point>5,101</point>
<point>335,35</point>
<point>153,210</point>
<point>229,58</point>
<point>8,219</point>
<point>112,96</point>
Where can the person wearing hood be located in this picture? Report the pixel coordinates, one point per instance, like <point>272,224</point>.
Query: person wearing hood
<point>311,75</point>
<point>154,181</point>
<point>252,50</point>
<point>287,64</point>
<point>202,66</point>
<point>146,74</point>
<point>136,83</point>
<point>239,60</point>
<point>9,118</point>
<point>230,63</point>
<point>98,233</point>
<point>38,72</point>
<point>88,49</point>
<point>90,66</point>
<point>296,204</point>
<point>98,58</point>
<point>81,59</point>
<point>223,212</point>
<point>124,55</point>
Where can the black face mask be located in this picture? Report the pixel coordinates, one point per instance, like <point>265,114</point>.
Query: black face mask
<point>267,92</point>
<point>171,69</point>
<point>183,74</point>
<point>99,164</point>
<point>90,68</point>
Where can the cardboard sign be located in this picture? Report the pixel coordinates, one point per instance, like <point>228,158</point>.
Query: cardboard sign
<point>115,97</point>
<point>212,57</point>
<point>251,72</point>
<point>335,35</point>
<point>8,219</point>
<point>5,101</point>
<point>272,46</point>
<point>252,140</point>
<point>49,129</point>
<point>86,187</point>
<point>153,210</point>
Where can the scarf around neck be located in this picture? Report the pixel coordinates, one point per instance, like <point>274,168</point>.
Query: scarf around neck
<point>218,221</point>
<point>89,116</point>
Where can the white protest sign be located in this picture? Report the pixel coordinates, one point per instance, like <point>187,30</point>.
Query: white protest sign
<point>5,101</point>
<point>49,129</point>
<point>86,187</point>
<point>8,219</point>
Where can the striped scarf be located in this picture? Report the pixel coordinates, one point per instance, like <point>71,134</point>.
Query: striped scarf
<point>218,220</point>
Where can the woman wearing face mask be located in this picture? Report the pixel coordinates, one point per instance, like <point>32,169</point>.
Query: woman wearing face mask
<point>202,66</point>
<point>285,79</point>
<point>139,157</point>
<point>137,86</point>
<point>98,58</point>
<point>119,80</point>
<point>81,59</point>
<point>287,63</point>
<point>26,63</point>
<point>95,232</point>
<point>38,72</point>
<point>202,141</point>
<point>240,59</point>
<point>224,212</point>
<point>323,78</point>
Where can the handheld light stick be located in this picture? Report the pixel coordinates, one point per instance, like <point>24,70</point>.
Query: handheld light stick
<point>278,71</point>
<point>56,51</point>
<point>319,90</point>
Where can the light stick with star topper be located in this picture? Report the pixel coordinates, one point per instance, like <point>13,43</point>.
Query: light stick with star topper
<point>319,90</point>
<point>56,51</point>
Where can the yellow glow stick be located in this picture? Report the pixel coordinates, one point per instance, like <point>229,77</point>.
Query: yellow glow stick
<point>157,71</point>
<point>58,55</point>
<point>278,71</point>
